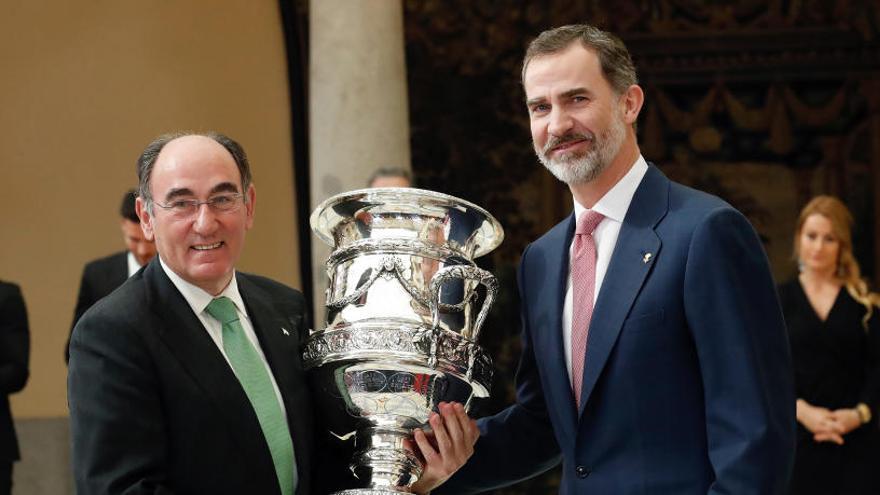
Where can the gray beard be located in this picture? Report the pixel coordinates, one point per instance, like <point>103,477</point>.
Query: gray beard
<point>580,169</point>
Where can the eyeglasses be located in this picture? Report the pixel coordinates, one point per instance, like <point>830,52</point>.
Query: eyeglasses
<point>221,203</point>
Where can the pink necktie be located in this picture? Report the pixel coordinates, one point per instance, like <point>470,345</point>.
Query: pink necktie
<point>583,283</point>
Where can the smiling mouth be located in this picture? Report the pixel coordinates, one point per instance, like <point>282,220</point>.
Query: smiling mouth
<point>208,247</point>
<point>566,146</point>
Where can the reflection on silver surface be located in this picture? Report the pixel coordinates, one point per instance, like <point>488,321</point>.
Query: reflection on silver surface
<point>401,328</point>
<point>440,220</point>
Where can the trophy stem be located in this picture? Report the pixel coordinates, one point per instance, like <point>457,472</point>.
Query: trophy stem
<point>385,457</point>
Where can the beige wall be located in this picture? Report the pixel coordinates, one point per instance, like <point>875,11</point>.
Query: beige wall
<point>85,86</point>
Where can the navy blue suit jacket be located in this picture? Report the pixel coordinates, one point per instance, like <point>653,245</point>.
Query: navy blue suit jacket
<point>687,385</point>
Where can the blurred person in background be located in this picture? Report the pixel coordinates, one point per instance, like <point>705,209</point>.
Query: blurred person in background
<point>102,276</point>
<point>391,177</point>
<point>835,342</point>
<point>14,354</point>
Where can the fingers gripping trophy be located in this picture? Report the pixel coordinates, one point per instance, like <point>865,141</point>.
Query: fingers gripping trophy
<point>403,320</point>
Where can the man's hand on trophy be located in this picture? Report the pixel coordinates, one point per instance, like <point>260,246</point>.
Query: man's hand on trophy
<point>445,448</point>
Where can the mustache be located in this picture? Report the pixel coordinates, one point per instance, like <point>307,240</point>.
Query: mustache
<point>559,141</point>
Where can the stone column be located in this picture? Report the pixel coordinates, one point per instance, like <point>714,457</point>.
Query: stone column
<point>358,113</point>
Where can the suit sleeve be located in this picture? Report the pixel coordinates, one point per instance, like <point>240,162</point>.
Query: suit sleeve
<point>119,444</point>
<point>14,340</point>
<point>733,314</point>
<point>518,443</point>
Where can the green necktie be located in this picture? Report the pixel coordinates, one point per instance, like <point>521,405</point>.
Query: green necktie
<point>257,385</point>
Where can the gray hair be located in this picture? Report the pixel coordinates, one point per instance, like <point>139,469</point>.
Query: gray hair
<point>148,158</point>
<point>617,65</point>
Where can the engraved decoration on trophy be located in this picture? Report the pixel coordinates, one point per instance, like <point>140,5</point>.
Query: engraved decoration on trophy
<point>403,321</point>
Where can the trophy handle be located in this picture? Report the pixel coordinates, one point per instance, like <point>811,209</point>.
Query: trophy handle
<point>466,272</point>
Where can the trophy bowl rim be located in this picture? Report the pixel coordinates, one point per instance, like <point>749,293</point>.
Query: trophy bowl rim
<point>321,224</point>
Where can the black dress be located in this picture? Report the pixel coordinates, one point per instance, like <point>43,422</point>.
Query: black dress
<point>836,365</point>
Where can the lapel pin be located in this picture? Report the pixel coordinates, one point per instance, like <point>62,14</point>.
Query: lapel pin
<point>284,330</point>
<point>646,258</point>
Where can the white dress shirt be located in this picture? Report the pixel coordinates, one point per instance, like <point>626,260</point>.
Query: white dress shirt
<point>198,300</point>
<point>613,206</point>
<point>133,265</point>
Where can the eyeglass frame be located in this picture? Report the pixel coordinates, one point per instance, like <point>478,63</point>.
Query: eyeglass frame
<point>196,204</point>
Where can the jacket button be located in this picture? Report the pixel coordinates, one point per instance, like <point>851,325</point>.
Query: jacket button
<point>582,472</point>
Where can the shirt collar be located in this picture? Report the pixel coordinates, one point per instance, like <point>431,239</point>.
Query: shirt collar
<point>132,263</point>
<point>197,298</point>
<point>615,202</point>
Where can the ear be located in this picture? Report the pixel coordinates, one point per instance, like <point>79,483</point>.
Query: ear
<point>146,220</point>
<point>251,195</point>
<point>631,103</point>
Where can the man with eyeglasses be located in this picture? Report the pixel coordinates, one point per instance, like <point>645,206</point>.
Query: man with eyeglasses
<point>188,378</point>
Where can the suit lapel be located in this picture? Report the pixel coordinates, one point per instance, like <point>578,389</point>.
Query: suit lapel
<point>120,270</point>
<point>626,273</point>
<point>113,273</point>
<point>557,283</point>
<point>186,338</point>
<point>281,351</point>
<point>270,328</point>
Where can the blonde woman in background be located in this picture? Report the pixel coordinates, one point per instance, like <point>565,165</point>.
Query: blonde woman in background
<point>835,342</point>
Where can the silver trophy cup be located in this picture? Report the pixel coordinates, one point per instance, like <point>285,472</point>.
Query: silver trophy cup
<point>402,322</point>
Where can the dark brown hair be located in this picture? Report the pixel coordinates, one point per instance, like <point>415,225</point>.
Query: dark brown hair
<point>617,65</point>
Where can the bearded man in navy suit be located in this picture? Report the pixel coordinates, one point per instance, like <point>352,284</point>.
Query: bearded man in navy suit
<point>188,378</point>
<point>682,382</point>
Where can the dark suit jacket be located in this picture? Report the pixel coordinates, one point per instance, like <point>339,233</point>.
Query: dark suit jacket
<point>155,408</point>
<point>14,353</point>
<point>687,385</point>
<point>100,277</point>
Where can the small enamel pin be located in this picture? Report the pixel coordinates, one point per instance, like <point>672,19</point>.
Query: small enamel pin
<point>285,332</point>
<point>646,258</point>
